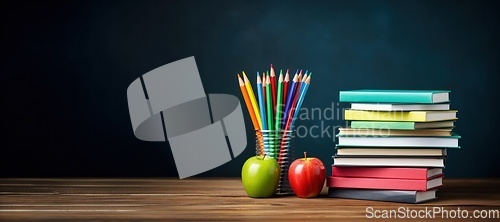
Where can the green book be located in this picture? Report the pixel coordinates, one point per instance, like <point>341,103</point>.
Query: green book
<point>400,125</point>
<point>395,96</point>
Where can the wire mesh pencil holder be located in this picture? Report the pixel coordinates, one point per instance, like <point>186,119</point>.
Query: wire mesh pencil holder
<point>278,144</point>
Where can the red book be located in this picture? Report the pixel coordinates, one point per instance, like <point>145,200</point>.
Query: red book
<point>384,184</point>
<point>388,172</point>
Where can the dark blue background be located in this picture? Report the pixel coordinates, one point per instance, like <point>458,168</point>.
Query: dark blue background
<point>66,67</point>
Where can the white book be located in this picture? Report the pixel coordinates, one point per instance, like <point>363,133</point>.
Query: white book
<point>399,107</point>
<point>384,151</point>
<point>394,132</point>
<point>388,162</point>
<point>400,141</point>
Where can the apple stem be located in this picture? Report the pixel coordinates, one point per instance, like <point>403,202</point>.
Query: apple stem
<point>263,157</point>
<point>305,155</point>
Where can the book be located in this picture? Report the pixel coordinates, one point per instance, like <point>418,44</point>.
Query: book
<point>410,116</point>
<point>389,151</point>
<point>388,161</point>
<point>401,125</point>
<point>392,132</point>
<point>395,96</point>
<point>383,183</point>
<point>400,196</point>
<point>399,107</point>
<point>400,141</point>
<point>387,172</point>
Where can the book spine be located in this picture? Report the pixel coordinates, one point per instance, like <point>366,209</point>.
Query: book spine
<point>426,162</point>
<point>383,125</point>
<point>381,172</point>
<point>375,183</point>
<point>412,116</point>
<point>385,97</point>
<point>377,195</point>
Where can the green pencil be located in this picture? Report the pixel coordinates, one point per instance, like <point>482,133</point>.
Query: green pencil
<point>269,102</point>
<point>279,108</point>
<point>279,101</point>
<point>270,121</point>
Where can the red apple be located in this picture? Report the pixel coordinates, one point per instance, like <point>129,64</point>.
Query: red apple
<point>307,176</point>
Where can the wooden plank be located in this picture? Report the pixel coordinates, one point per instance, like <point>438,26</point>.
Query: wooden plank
<point>206,198</point>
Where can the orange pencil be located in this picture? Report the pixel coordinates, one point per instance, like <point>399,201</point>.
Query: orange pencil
<point>248,103</point>
<point>253,100</point>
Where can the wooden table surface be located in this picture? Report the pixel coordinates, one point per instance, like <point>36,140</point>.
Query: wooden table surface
<point>207,199</point>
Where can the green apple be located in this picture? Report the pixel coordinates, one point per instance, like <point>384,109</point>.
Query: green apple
<point>260,176</point>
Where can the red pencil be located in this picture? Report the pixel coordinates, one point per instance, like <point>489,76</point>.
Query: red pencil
<point>273,87</point>
<point>294,103</point>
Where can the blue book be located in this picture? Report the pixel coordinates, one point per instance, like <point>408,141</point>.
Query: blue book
<point>395,96</point>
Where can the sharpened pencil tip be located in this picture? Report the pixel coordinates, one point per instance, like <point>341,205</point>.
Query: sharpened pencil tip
<point>240,81</point>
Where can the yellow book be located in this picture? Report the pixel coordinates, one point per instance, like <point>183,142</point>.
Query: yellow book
<point>404,116</point>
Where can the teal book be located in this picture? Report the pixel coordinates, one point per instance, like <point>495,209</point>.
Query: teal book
<point>395,96</point>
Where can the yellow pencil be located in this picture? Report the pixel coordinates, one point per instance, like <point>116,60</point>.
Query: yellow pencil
<point>252,99</point>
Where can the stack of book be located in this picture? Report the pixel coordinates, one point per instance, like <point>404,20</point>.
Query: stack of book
<point>395,147</point>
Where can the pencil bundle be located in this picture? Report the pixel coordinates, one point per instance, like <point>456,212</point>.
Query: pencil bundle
<point>278,100</point>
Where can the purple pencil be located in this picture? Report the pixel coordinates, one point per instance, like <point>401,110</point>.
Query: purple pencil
<point>289,100</point>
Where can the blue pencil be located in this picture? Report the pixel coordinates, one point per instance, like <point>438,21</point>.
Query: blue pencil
<point>262,106</point>
<point>303,91</point>
<point>289,100</point>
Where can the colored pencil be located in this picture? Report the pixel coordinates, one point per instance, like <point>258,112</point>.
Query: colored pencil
<point>264,90</point>
<point>305,76</point>
<point>285,87</point>
<point>251,95</point>
<point>290,96</point>
<point>291,119</point>
<point>248,103</point>
<point>275,108</point>
<point>279,108</point>
<point>305,84</point>
<point>269,104</point>
<point>295,97</point>
<point>279,102</point>
<point>273,87</point>
<point>262,107</point>
<point>293,106</point>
